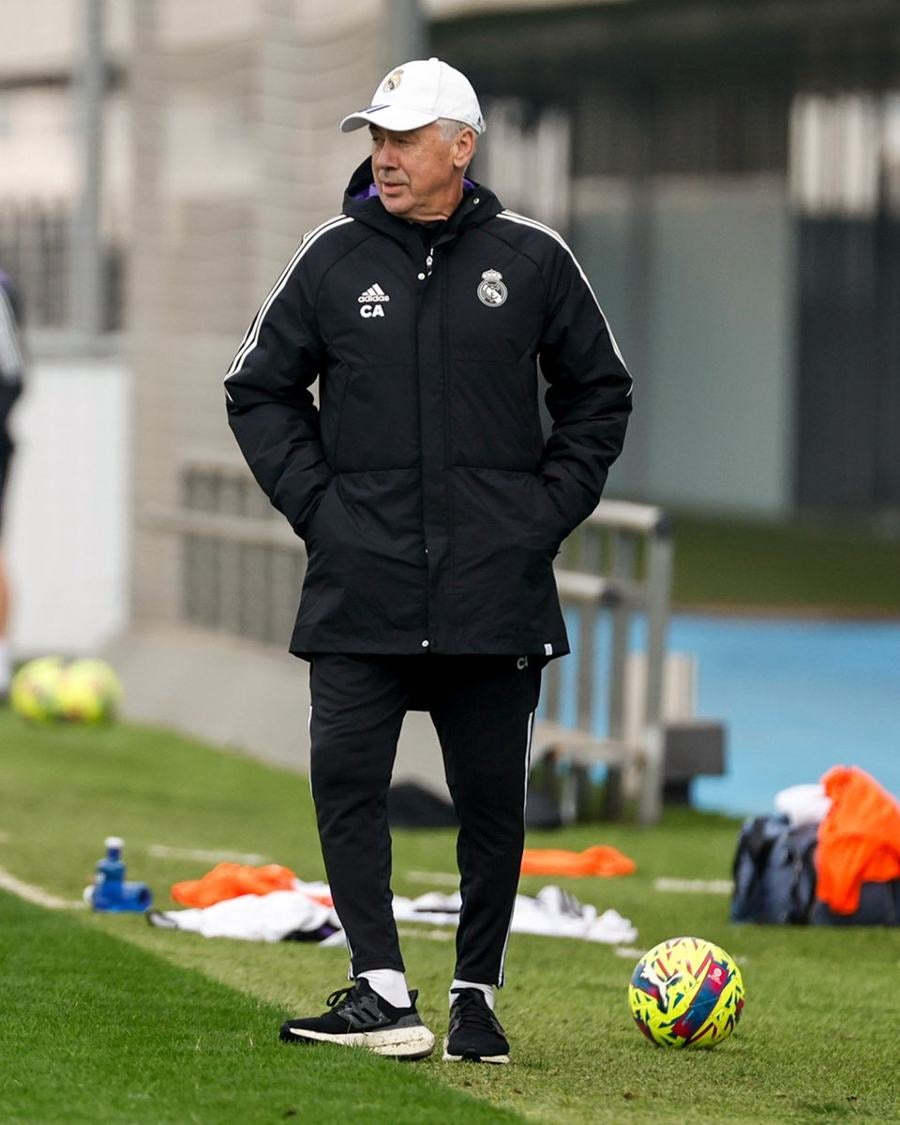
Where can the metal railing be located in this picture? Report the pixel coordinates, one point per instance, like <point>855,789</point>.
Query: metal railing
<point>242,568</point>
<point>623,555</point>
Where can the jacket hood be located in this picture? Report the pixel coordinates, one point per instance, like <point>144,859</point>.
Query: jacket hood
<point>361,201</point>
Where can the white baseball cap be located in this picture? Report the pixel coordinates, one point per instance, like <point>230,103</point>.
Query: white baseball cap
<point>416,94</point>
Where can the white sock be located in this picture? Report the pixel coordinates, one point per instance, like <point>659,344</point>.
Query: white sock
<point>487,989</point>
<point>390,985</point>
<point>5,669</point>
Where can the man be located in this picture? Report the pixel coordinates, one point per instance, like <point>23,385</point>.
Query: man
<point>12,368</point>
<point>432,509</point>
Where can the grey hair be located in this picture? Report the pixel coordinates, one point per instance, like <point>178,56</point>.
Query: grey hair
<point>450,128</point>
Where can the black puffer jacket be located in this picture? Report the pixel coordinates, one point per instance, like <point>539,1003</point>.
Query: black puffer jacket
<point>430,504</point>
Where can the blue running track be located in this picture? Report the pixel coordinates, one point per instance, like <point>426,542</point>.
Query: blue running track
<point>797,697</point>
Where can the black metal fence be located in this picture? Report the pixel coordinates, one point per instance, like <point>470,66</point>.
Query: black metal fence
<point>36,250</point>
<point>848,360</point>
<point>242,566</point>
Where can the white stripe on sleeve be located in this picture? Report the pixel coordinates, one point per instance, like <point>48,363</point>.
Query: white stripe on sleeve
<point>12,363</point>
<point>524,221</point>
<point>251,339</point>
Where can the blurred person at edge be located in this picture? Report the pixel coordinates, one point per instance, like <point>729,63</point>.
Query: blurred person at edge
<point>432,509</point>
<point>12,371</point>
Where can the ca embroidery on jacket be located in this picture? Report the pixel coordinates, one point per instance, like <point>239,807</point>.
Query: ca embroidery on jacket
<point>370,301</point>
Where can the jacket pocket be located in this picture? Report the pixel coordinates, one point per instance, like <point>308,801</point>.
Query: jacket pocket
<point>313,522</point>
<point>549,514</point>
<point>505,509</point>
<point>504,543</point>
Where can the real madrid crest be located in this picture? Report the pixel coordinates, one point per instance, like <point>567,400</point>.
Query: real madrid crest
<point>492,292</point>
<point>393,80</point>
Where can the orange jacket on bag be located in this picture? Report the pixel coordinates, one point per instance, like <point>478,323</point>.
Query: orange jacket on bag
<point>229,880</point>
<point>601,860</point>
<point>859,839</point>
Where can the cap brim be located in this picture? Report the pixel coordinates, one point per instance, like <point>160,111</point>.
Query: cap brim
<point>393,117</point>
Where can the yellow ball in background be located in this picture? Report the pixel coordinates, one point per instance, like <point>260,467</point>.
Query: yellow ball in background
<point>88,691</point>
<point>686,992</point>
<point>32,693</point>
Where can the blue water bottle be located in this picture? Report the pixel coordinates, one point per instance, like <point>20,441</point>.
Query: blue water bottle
<point>110,877</point>
<point>110,891</point>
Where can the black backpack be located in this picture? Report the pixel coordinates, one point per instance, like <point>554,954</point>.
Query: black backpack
<point>774,872</point>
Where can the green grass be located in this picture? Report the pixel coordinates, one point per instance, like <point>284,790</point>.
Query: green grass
<point>105,1031</point>
<point>160,1038</point>
<point>831,567</point>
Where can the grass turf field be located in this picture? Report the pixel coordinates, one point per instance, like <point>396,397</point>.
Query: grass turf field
<point>838,566</point>
<point>107,1019</point>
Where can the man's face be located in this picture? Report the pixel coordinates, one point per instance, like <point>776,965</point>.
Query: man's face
<point>418,173</point>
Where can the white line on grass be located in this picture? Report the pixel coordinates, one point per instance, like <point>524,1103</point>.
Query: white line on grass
<point>429,935</point>
<point>163,851</point>
<point>435,878</point>
<point>34,894</point>
<point>694,886</point>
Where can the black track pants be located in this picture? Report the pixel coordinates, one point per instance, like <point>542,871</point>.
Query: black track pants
<point>483,710</point>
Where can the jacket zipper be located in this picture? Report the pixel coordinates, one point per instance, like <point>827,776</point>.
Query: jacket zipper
<point>449,621</point>
<point>422,277</point>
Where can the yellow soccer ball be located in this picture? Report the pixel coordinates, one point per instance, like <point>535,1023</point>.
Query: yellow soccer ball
<point>686,992</point>
<point>32,693</point>
<point>89,691</point>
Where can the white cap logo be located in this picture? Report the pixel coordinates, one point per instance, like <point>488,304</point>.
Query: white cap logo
<point>416,94</point>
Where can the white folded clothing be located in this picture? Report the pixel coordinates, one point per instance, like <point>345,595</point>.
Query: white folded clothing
<point>270,917</point>
<point>279,914</point>
<point>554,912</point>
<point>803,804</point>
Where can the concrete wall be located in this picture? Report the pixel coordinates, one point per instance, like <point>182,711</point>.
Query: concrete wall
<point>41,43</point>
<point>42,36</point>
<point>67,520</point>
<point>697,281</point>
<point>448,9</point>
<point>236,154</point>
<point>720,414</point>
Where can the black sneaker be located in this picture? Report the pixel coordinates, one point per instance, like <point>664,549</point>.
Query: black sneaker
<point>475,1032</point>
<point>359,1017</point>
